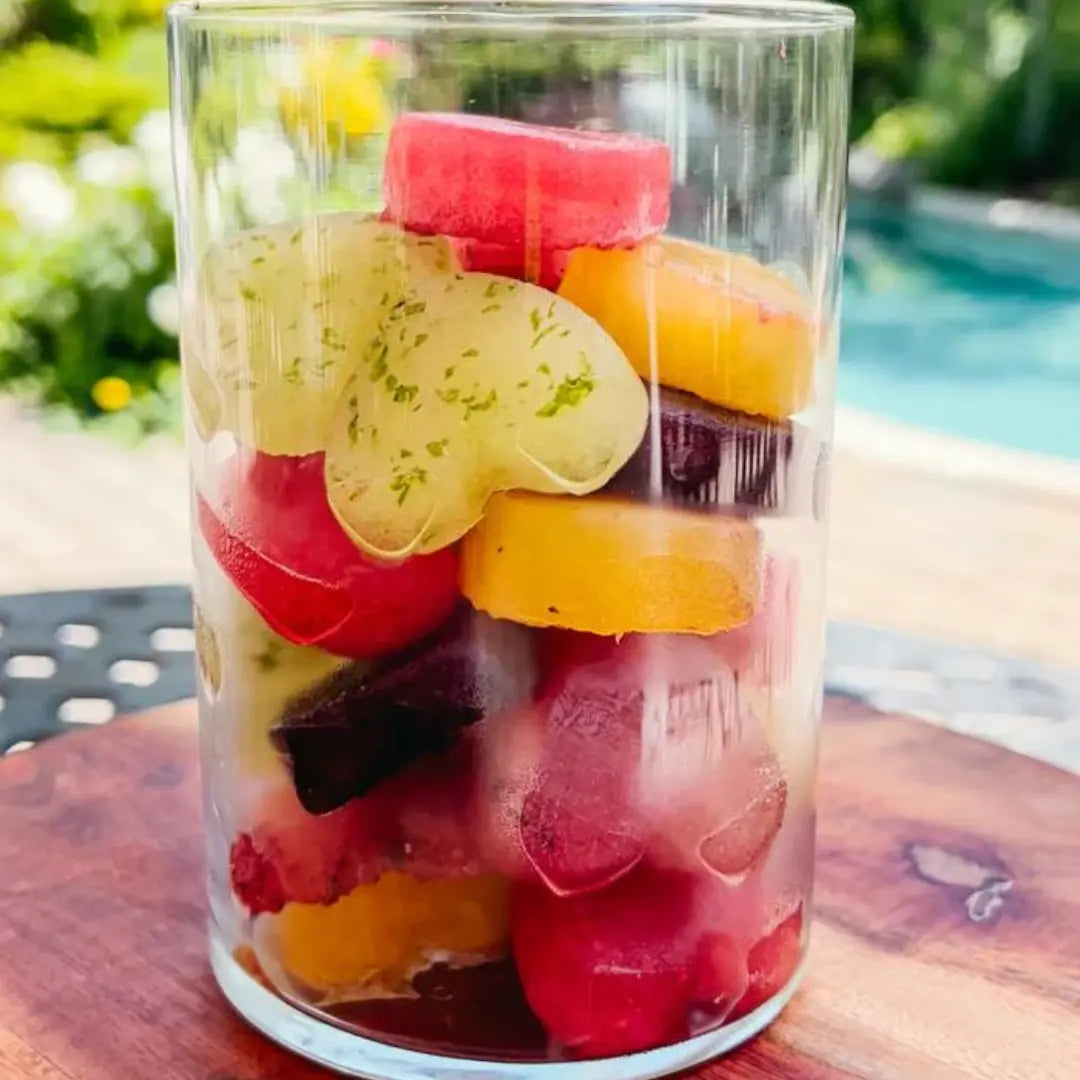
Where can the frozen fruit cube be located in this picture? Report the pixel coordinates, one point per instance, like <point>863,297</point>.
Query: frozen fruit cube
<point>289,854</point>
<point>771,963</point>
<point>373,940</point>
<point>490,384</point>
<point>268,523</point>
<point>614,971</point>
<point>746,815</point>
<point>355,729</point>
<point>282,315</point>
<point>643,744</point>
<point>524,185</point>
<point>710,458</point>
<point>709,784</point>
<point>580,824</point>
<point>704,320</point>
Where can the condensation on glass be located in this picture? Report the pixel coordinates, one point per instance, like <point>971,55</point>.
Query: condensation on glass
<point>509,340</point>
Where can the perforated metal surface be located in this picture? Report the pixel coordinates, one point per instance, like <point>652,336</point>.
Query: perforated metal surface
<point>68,659</point>
<point>55,676</point>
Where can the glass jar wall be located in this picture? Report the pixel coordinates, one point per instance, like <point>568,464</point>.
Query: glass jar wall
<point>508,343</point>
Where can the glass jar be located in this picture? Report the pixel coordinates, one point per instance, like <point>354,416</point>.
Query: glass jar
<point>509,340</point>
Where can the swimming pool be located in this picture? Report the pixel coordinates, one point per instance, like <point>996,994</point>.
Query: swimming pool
<point>963,329</point>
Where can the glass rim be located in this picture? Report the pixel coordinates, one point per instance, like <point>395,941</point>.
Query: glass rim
<point>800,17</point>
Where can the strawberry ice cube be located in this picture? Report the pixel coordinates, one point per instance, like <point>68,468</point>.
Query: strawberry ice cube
<point>289,854</point>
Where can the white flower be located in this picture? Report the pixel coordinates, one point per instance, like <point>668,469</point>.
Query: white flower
<point>110,166</point>
<point>38,196</point>
<point>152,134</point>
<point>163,307</point>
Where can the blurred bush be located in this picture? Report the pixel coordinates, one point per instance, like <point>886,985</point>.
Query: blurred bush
<point>984,94</point>
<point>1024,134</point>
<point>87,305</point>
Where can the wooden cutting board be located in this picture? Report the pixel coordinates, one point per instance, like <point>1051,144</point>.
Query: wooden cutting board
<point>946,944</point>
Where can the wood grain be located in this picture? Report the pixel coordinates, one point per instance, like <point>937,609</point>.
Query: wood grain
<point>946,945</point>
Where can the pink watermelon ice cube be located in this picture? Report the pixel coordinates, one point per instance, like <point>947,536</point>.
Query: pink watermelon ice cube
<point>650,959</point>
<point>526,187</point>
<point>542,266</point>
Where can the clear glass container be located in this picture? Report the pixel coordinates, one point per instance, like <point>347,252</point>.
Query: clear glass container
<point>509,340</point>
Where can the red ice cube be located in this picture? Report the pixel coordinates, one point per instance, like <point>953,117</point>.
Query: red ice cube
<point>524,186</point>
<point>269,525</point>
<point>763,650</point>
<point>420,821</point>
<point>580,824</point>
<point>289,854</point>
<point>613,971</point>
<point>771,962</point>
<point>634,745</point>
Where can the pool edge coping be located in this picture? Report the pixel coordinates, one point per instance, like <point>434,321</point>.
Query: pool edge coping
<point>867,434</point>
<point>999,213</point>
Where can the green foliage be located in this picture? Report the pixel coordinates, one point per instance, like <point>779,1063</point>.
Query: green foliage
<point>995,148</point>
<point>74,299</point>
<point>891,41</point>
<point>85,241</point>
<point>985,92</point>
<point>913,130</point>
<point>48,87</point>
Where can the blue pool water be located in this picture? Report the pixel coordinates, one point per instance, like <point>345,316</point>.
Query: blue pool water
<point>963,329</point>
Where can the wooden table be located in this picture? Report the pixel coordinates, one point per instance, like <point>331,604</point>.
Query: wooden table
<point>946,944</point>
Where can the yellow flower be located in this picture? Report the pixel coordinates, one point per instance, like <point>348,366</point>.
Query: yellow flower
<point>111,394</point>
<point>340,93</point>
